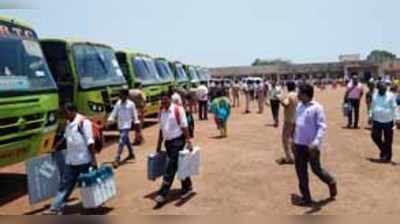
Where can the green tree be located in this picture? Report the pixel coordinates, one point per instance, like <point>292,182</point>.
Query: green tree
<point>379,56</point>
<point>277,61</point>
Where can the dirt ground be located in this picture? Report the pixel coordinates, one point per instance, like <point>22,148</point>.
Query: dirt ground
<point>239,174</point>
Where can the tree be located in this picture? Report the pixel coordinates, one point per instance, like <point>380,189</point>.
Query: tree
<point>256,62</point>
<point>277,61</point>
<point>379,56</point>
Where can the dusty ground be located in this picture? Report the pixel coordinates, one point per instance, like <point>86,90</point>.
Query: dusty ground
<point>239,174</point>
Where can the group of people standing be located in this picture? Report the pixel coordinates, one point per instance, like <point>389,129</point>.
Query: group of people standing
<point>382,102</point>
<point>304,127</point>
<point>303,131</point>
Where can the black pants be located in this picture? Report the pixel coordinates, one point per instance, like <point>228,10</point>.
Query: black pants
<point>275,110</point>
<point>355,112</point>
<point>384,144</point>
<point>303,156</point>
<point>203,110</point>
<point>173,147</point>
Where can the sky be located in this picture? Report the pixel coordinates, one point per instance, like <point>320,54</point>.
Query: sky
<point>216,33</point>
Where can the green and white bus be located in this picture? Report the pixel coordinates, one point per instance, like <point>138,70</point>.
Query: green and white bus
<point>87,74</point>
<point>166,74</point>
<point>28,95</point>
<point>192,74</point>
<point>140,69</point>
<point>204,75</point>
<point>181,78</point>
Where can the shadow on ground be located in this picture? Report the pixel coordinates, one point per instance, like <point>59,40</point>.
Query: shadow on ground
<point>12,187</point>
<point>315,207</point>
<point>379,161</point>
<point>173,196</point>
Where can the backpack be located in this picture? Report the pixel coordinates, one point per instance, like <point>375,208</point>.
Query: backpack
<point>97,132</point>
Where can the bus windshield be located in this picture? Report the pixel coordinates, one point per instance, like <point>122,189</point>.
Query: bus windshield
<point>181,74</point>
<point>145,70</point>
<point>193,74</point>
<point>202,74</point>
<point>164,70</point>
<point>23,67</point>
<point>97,66</point>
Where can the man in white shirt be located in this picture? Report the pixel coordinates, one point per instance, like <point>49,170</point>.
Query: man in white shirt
<point>174,130</point>
<point>274,96</point>
<point>125,113</point>
<point>80,155</point>
<point>202,96</point>
<point>247,94</point>
<point>382,115</point>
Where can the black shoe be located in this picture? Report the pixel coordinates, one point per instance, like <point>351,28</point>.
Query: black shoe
<point>116,164</point>
<point>385,160</point>
<point>303,202</point>
<point>131,157</point>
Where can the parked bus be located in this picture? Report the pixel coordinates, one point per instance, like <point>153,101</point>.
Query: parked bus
<point>28,95</point>
<point>204,75</point>
<point>140,69</point>
<point>192,74</point>
<point>165,72</point>
<point>181,78</point>
<point>87,74</point>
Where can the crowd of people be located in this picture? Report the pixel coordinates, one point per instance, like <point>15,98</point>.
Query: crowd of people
<point>303,131</point>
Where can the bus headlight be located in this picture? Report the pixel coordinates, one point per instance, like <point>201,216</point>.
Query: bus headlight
<point>51,118</point>
<point>96,107</point>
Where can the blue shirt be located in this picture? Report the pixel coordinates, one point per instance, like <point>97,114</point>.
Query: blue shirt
<point>310,124</point>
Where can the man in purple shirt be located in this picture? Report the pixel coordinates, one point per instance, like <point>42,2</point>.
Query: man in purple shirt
<point>310,129</point>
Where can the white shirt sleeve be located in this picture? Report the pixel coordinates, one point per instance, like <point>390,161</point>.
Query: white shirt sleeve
<point>135,114</point>
<point>113,115</point>
<point>183,118</point>
<point>88,132</point>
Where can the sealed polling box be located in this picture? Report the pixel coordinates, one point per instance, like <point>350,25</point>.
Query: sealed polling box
<point>156,165</point>
<point>97,187</point>
<point>44,176</point>
<point>188,163</point>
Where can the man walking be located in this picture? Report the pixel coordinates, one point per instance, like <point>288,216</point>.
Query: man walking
<point>382,115</point>
<point>202,96</point>
<point>310,130</point>
<point>139,98</point>
<point>236,93</point>
<point>274,95</point>
<point>125,113</point>
<point>289,104</point>
<point>247,94</point>
<point>80,155</point>
<point>174,130</point>
<point>260,96</point>
<point>353,95</point>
